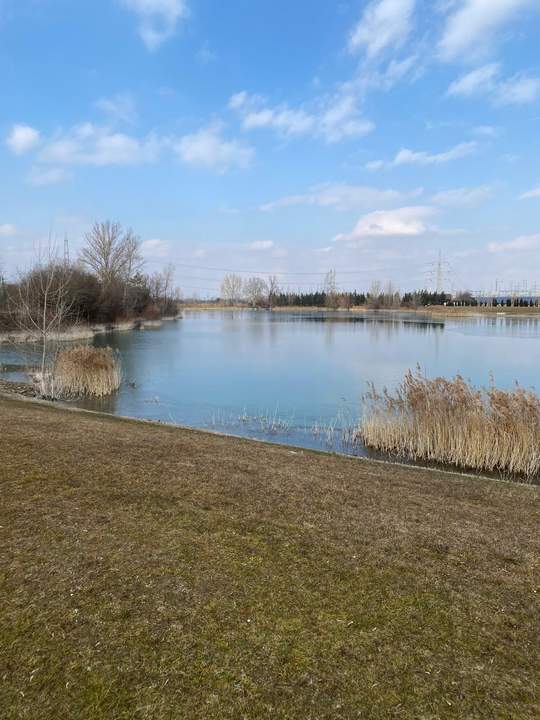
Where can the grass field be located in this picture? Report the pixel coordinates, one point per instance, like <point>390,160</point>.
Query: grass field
<point>157,573</point>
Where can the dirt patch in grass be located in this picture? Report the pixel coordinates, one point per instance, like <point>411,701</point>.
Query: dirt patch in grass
<point>151,572</point>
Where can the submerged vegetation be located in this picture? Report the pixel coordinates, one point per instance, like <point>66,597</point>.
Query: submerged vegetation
<point>87,371</point>
<point>453,423</point>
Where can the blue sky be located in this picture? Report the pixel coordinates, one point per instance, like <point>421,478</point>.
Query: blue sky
<point>277,136</point>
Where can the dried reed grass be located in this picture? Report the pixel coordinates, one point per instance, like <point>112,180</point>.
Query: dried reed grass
<point>451,422</point>
<point>86,371</point>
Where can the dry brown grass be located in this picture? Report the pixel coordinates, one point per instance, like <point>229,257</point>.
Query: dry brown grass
<point>87,371</point>
<point>453,423</point>
<point>154,573</point>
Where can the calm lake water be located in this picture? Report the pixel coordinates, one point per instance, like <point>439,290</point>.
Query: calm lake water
<point>298,378</point>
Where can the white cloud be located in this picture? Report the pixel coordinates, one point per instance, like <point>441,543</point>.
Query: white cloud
<point>412,157</point>
<point>99,146</point>
<point>41,176</point>
<point>8,230</point>
<point>471,29</point>
<point>291,122</point>
<point>261,245</point>
<point>22,139</point>
<point>403,222</point>
<point>384,24</point>
<point>207,148</point>
<point>342,196</point>
<point>523,243</point>
<point>341,120</point>
<point>374,165</point>
<point>155,248</point>
<point>90,144</point>
<point>517,90</point>
<point>158,19</point>
<point>534,193</point>
<point>487,131</point>
<point>333,118</point>
<point>120,108</point>
<point>479,81</point>
<point>463,197</point>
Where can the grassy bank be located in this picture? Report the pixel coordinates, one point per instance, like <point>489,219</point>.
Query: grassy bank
<point>151,572</point>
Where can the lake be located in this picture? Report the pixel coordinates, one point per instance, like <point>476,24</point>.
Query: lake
<point>298,378</point>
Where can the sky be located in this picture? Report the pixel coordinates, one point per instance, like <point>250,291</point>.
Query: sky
<point>278,137</point>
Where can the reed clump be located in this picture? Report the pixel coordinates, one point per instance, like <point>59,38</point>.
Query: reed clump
<point>453,423</point>
<point>86,371</point>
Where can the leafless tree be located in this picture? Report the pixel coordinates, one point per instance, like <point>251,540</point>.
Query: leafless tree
<point>231,288</point>
<point>255,291</point>
<point>40,306</point>
<point>273,289</point>
<point>110,253</point>
<point>330,288</point>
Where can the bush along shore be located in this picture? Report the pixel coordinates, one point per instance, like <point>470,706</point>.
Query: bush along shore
<point>105,286</point>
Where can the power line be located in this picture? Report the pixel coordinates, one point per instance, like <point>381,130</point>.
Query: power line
<point>269,272</point>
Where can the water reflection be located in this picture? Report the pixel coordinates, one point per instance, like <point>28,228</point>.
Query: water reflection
<point>304,370</point>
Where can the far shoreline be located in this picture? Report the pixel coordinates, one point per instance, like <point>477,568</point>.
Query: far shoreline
<point>434,310</point>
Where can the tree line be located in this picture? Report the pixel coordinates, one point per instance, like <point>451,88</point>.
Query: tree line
<point>104,284</point>
<point>256,292</point>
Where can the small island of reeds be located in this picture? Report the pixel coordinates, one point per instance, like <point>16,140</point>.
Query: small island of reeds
<point>86,371</point>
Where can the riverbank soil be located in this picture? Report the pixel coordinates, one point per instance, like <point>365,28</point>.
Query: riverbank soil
<point>152,572</point>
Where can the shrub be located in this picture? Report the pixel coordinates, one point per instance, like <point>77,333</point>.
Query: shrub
<point>152,312</point>
<point>451,422</point>
<point>86,371</point>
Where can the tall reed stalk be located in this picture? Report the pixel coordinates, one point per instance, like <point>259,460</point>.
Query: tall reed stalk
<point>86,371</point>
<point>453,423</point>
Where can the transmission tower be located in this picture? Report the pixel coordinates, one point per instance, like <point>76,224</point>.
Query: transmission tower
<point>439,273</point>
<point>66,250</point>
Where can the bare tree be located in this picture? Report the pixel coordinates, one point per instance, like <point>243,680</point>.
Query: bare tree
<point>40,306</point>
<point>255,291</point>
<point>330,288</point>
<point>273,290</point>
<point>231,288</point>
<point>110,253</point>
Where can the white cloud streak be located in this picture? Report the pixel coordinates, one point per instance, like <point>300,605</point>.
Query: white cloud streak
<point>8,230</point>
<point>158,19</point>
<point>384,24</point>
<point>473,26</point>
<point>524,243</point>
<point>90,144</point>
<point>333,118</point>
<point>43,176</point>
<point>531,194</point>
<point>412,157</point>
<point>463,197</point>
<point>208,149</point>
<point>119,108</point>
<point>484,81</point>
<point>343,197</point>
<point>99,146</point>
<point>22,139</point>
<point>401,223</point>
